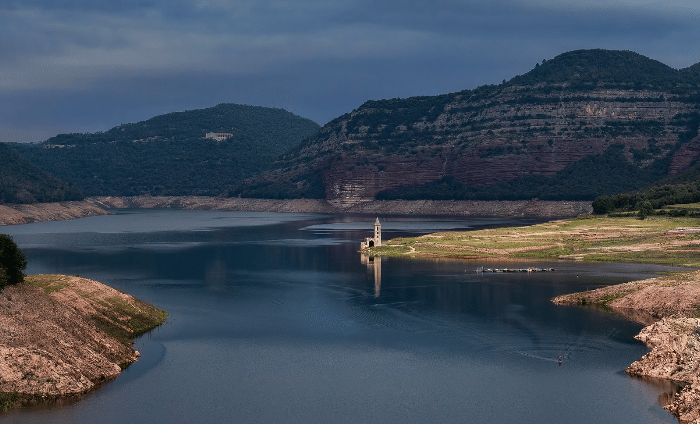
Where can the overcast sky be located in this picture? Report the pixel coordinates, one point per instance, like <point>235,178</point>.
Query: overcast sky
<point>88,65</point>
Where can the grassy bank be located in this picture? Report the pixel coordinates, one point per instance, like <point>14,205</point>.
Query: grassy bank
<point>660,240</point>
<point>122,317</point>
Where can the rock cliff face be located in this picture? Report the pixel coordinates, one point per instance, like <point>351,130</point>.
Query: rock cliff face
<point>500,142</point>
<point>675,344</point>
<point>532,128</point>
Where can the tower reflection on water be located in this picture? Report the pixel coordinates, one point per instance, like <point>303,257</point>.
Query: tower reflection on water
<point>374,267</point>
<point>374,264</point>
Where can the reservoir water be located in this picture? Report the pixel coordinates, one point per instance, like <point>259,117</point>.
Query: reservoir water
<point>276,318</point>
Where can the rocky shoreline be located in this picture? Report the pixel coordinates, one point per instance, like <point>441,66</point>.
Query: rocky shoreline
<point>669,307</point>
<point>63,336</point>
<point>12,214</point>
<point>15,214</point>
<point>501,208</point>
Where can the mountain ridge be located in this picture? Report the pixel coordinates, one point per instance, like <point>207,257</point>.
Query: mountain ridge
<point>633,119</point>
<point>582,124</point>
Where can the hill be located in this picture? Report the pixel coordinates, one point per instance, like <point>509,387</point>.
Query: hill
<point>173,154</point>
<point>583,124</point>
<point>21,182</point>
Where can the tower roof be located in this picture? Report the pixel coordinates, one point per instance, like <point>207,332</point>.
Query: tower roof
<point>377,221</point>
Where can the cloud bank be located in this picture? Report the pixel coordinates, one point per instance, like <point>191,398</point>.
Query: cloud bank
<point>87,65</point>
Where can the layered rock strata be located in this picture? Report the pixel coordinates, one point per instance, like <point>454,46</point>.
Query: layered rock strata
<point>484,143</point>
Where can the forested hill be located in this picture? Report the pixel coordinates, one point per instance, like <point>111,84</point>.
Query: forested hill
<point>170,154</point>
<point>580,125</point>
<point>597,68</point>
<point>21,182</point>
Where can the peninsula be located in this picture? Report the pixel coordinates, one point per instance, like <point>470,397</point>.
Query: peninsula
<point>63,336</point>
<point>667,305</point>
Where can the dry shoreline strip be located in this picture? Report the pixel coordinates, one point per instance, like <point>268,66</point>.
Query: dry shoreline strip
<point>15,214</point>
<point>669,306</point>
<point>505,208</point>
<point>11,214</point>
<point>63,336</point>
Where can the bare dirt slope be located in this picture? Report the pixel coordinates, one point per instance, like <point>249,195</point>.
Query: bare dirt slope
<point>63,335</point>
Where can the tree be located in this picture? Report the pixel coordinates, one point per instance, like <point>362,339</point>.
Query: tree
<point>645,209</point>
<point>12,262</point>
<point>602,205</point>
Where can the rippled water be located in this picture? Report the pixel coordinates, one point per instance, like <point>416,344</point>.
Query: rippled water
<point>278,318</point>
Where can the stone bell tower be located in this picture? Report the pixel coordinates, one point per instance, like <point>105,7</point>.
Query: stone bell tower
<point>375,241</point>
<point>377,233</point>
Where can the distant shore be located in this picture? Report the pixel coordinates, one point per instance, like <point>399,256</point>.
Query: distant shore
<point>12,214</point>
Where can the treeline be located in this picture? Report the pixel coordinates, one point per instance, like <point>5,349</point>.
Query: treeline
<point>306,186</point>
<point>21,182</point>
<point>169,154</point>
<point>685,190</point>
<point>610,69</point>
<point>392,113</point>
<point>604,174</point>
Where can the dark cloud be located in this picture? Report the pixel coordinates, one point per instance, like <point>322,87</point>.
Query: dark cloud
<point>87,65</point>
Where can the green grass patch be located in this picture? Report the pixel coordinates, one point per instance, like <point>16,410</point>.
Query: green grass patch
<point>670,258</point>
<point>688,206</point>
<point>388,251</point>
<point>120,319</point>
<point>9,401</point>
<point>49,283</point>
<point>605,300</point>
<point>124,321</point>
<point>547,253</point>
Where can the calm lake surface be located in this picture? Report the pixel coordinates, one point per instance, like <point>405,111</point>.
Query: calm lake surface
<point>276,318</point>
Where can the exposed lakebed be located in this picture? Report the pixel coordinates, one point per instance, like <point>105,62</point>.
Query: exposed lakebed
<point>277,318</point>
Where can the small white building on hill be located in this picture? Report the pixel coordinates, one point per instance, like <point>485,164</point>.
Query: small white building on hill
<point>218,136</point>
